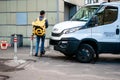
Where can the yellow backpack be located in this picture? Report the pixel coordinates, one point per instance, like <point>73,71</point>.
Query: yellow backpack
<point>39,27</point>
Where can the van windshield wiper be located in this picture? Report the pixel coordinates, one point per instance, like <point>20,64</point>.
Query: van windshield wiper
<point>78,20</point>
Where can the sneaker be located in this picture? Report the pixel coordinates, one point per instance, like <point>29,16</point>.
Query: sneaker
<point>35,54</point>
<point>42,53</point>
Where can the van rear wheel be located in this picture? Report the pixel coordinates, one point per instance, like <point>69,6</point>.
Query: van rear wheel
<point>85,53</point>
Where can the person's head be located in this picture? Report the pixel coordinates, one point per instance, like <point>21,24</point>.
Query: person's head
<point>42,13</point>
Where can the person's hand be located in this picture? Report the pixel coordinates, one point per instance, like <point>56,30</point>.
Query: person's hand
<point>32,37</point>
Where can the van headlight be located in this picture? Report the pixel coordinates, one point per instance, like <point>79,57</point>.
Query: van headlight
<point>71,30</point>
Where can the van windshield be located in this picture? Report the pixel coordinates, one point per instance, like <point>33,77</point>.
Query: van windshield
<point>85,13</point>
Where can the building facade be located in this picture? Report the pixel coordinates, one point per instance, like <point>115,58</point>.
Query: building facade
<point>16,16</point>
<point>98,1</point>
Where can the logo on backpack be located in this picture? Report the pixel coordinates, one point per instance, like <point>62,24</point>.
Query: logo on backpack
<point>39,27</point>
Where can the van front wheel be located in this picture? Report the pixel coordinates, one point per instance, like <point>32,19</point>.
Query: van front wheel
<point>85,53</point>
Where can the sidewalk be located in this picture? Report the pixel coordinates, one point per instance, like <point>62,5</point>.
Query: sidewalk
<point>55,66</point>
<point>30,67</point>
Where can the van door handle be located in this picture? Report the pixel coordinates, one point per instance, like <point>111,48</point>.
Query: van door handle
<point>117,31</point>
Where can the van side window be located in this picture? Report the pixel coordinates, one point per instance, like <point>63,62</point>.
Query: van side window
<point>107,16</point>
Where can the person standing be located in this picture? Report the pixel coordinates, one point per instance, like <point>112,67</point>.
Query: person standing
<point>40,36</point>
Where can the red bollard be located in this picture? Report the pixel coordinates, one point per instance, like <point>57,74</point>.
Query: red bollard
<point>4,45</point>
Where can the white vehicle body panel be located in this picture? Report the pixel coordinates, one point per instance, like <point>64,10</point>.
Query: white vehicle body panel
<point>105,35</point>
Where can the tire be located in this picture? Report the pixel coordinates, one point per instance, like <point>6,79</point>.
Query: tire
<point>85,53</point>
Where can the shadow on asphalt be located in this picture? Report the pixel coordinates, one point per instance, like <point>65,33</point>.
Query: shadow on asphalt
<point>4,77</point>
<point>101,60</point>
<point>6,68</point>
<point>108,60</point>
<point>63,58</point>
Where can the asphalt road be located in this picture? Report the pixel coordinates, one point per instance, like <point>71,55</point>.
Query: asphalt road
<point>55,66</point>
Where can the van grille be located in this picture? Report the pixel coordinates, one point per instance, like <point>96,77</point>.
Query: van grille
<point>56,34</point>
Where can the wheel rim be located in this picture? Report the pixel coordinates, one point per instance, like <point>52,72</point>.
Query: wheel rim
<point>84,54</point>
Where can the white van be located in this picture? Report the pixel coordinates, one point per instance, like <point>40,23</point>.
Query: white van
<point>91,31</point>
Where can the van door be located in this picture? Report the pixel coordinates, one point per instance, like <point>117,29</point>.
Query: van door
<point>118,30</point>
<point>104,30</point>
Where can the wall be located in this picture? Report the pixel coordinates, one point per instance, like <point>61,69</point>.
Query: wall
<point>16,16</point>
<point>76,2</point>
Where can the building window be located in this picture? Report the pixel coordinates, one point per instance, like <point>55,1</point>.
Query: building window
<point>95,1</point>
<point>91,1</point>
<point>21,18</point>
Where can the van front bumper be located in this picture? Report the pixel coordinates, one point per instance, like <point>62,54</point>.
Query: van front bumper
<point>68,46</point>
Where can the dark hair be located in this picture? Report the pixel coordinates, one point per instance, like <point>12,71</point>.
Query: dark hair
<point>42,12</point>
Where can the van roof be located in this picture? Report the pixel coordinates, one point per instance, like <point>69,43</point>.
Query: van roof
<point>92,4</point>
<point>112,3</point>
<point>105,3</point>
